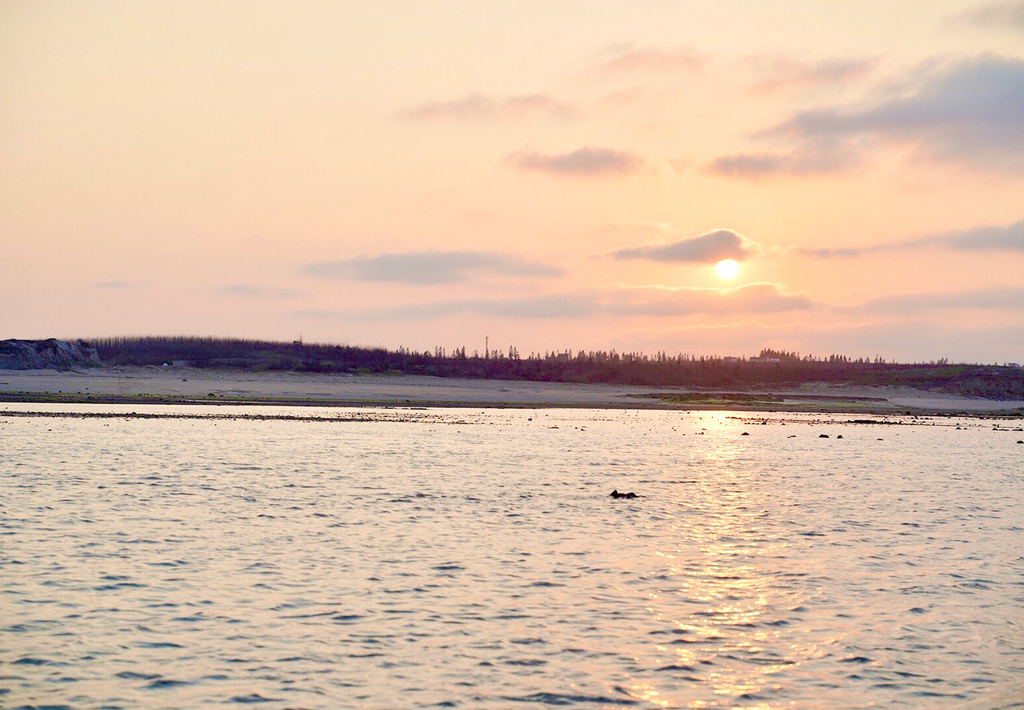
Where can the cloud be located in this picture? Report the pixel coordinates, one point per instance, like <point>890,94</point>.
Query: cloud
<point>558,305</point>
<point>477,107</point>
<point>1008,238</point>
<point>970,113</point>
<point>708,248</point>
<point>781,73</point>
<point>995,298</point>
<point>585,162</point>
<point>844,252</point>
<point>429,267</point>
<point>1009,13</point>
<point>630,60</point>
<point>747,299</point>
<point>822,158</point>
<point>967,113</point>
<point>628,301</point>
<point>251,291</point>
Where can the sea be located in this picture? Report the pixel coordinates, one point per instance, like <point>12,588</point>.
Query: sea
<point>184,557</point>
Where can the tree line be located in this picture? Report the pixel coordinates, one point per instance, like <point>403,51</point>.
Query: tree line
<point>769,367</point>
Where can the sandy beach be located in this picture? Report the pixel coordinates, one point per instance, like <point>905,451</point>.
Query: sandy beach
<point>191,385</point>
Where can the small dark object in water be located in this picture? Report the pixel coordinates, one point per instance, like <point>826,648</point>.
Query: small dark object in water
<point>745,434</point>
<point>1019,441</point>
<point>616,494</point>
<point>840,436</point>
<point>822,436</point>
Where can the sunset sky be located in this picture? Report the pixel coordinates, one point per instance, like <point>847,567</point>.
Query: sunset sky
<point>552,175</point>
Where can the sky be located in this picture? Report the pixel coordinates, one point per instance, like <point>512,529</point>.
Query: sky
<point>556,175</point>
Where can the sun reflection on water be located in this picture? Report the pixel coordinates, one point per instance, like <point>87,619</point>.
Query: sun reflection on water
<point>726,596</point>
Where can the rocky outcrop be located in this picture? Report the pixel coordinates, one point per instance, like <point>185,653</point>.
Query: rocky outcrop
<point>51,354</point>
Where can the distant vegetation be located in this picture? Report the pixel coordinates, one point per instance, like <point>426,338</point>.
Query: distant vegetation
<point>770,368</point>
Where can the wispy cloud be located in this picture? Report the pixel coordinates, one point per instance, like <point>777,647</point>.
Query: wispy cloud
<point>967,113</point>
<point>995,298</point>
<point>758,298</point>
<point>970,113</point>
<point>670,302</point>
<point>1009,13</point>
<point>708,248</point>
<point>821,158</point>
<point>251,291</point>
<point>542,307</point>
<point>779,72</point>
<point>845,252</point>
<point>630,59</point>
<point>585,162</point>
<point>1008,238</point>
<point>478,107</point>
<point>430,267</point>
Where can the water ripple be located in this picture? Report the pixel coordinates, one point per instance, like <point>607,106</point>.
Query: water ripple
<point>423,562</point>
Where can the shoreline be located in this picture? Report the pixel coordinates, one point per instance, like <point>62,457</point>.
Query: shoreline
<point>192,386</point>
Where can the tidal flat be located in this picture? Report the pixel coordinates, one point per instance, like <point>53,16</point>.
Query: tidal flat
<point>184,385</point>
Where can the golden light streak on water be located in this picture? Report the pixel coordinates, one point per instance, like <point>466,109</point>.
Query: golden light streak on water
<point>648,694</point>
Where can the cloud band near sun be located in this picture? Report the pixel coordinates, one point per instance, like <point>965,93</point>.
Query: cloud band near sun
<point>708,248</point>
<point>756,298</point>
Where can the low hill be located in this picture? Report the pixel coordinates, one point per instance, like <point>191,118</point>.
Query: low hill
<point>50,354</point>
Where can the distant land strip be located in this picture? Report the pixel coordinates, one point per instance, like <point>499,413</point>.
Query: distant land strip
<point>769,369</point>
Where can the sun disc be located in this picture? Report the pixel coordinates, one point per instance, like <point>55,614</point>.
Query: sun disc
<point>727,268</point>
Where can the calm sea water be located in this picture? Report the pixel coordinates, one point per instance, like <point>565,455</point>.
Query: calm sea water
<point>453,558</point>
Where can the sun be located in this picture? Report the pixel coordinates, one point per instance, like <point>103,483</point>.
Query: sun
<point>727,268</point>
